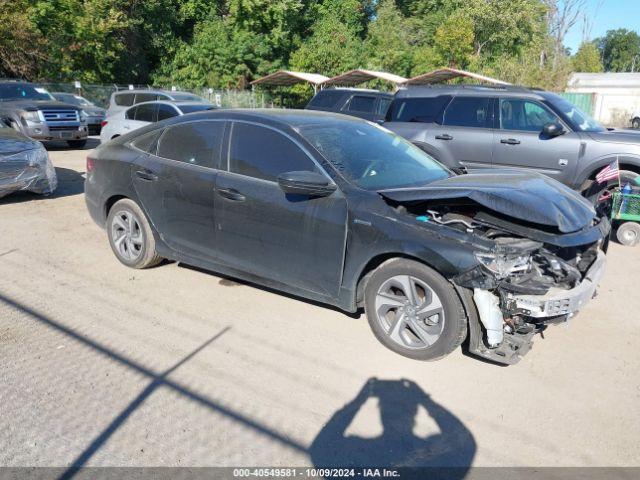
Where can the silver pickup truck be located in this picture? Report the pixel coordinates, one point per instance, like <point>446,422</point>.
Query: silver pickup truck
<point>34,112</point>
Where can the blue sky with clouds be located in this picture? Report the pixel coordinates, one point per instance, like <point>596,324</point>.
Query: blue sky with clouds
<point>612,14</point>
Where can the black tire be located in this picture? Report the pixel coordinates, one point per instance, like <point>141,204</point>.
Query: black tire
<point>635,123</point>
<point>628,234</point>
<point>77,143</point>
<point>595,190</point>
<point>145,255</point>
<point>454,330</point>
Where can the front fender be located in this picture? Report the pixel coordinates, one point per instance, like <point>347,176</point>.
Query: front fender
<point>595,166</point>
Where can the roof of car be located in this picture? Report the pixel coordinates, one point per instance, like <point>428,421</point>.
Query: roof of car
<point>154,90</point>
<point>469,90</point>
<point>177,103</point>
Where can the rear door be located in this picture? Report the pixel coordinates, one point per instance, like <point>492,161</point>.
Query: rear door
<point>519,141</point>
<point>176,184</point>
<point>290,239</point>
<point>463,136</point>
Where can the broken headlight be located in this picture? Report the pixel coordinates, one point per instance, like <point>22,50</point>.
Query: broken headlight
<point>502,265</point>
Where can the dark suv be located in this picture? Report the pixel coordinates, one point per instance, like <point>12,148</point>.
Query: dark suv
<point>368,104</point>
<point>491,127</point>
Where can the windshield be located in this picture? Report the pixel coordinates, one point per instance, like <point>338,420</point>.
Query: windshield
<point>22,91</point>
<point>73,99</point>
<point>579,120</point>
<point>372,157</point>
<point>195,108</point>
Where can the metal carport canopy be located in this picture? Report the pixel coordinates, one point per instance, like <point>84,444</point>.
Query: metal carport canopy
<point>445,74</point>
<point>356,77</point>
<point>286,78</point>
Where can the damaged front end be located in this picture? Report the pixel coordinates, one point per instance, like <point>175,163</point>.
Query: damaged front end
<point>519,293</point>
<point>528,274</point>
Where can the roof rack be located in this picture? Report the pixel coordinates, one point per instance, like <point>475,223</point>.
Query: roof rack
<point>475,86</point>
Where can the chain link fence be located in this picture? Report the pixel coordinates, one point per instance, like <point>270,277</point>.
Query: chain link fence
<point>101,93</point>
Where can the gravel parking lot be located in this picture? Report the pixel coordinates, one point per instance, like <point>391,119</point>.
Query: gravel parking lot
<point>104,365</point>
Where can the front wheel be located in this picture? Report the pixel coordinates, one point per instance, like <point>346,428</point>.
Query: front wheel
<point>130,235</point>
<point>413,310</point>
<point>636,123</point>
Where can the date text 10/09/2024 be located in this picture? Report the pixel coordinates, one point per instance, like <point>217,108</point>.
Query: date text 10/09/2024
<point>316,472</point>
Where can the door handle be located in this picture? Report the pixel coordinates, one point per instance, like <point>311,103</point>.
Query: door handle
<point>444,136</point>
<point>231,194</point>
<point>510,141</point>
<point>147,175</point>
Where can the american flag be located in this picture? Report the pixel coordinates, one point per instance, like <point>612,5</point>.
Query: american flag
<point>608,173</point>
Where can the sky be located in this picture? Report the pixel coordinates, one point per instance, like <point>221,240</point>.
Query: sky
<point>611,15</point>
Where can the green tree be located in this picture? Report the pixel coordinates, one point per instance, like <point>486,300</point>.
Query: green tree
<point>453,40</point>
<point>620,50</point>
<point>587,59</point>
<point>388,45</point>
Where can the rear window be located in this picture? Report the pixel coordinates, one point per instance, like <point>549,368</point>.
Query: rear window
<point>325,99</point>
<point>124,99</point>
<point>426,110</point>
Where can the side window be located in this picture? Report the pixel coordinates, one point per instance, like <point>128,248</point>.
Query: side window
<point>166,111</point>
<point>326,99</point>
<point>124,99</point>
<point>131,113</point>
<point>524,115</point>
<point>360,103</point>
<point>425,110</point>
<point>472,112</point>
<point>147,112</point>
<point>145,97</point>
<point>195,143</point>
<point>383,105</point>
<point>147,142</point>
<point>263,153</point>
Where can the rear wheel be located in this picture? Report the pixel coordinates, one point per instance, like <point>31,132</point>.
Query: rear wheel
<point>130,235</point>
<point>628,234</point>
<point>413,310</point>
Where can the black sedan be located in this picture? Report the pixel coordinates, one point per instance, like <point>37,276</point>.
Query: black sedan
<point>342,211</point>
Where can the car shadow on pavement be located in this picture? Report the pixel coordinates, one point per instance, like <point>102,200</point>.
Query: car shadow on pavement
<point>70,182</point>
<point>453,447</point>
<point>53,146</point>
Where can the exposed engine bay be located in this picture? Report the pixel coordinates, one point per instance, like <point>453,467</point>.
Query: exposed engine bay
<point>531,276</point>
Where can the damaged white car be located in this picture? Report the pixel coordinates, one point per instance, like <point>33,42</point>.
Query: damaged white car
<point>24,164</point>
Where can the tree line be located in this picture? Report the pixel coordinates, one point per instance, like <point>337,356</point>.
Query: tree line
<point>228,43</point>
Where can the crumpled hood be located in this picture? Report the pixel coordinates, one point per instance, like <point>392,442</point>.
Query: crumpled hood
<point>38,105</point>
<point>627,137</point>
<point>526,196</point>
<point>12,142</point>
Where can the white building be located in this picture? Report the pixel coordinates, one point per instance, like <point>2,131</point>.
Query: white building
<point>615,95</point>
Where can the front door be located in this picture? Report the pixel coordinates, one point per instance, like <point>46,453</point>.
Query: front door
<point>176,186</point>
<point>293,240</point>
<point>519,141</point>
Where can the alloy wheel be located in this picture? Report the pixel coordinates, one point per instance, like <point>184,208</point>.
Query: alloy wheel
<point>127,235</point>
<point>409,312</point>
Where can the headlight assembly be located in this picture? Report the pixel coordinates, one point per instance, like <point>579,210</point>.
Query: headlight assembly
<point>503,265</point>
<point>34,116</point>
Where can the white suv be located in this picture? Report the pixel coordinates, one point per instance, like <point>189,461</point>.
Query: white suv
<point>123,99</point>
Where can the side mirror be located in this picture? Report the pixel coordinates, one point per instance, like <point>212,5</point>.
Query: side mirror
<point>552,129</point>
<point>312,184</point>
